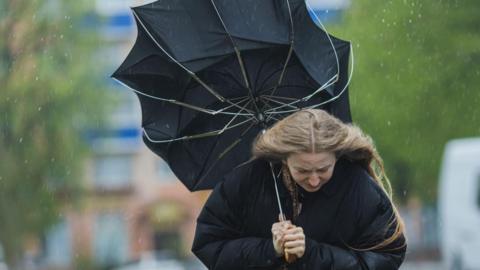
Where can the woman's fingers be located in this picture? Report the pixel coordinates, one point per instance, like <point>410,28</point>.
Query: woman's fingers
<point>278,233</point>
<point>294,241</point>
<point>297,251</point>
<point>294,244</point>
<point>282,225</point>
<point>294,230</point>
<point>293,237</point>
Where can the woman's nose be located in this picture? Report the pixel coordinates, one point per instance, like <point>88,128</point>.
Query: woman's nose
<point>314,180</point>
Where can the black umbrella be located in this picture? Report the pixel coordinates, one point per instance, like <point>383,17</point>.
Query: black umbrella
<point>210,75</point>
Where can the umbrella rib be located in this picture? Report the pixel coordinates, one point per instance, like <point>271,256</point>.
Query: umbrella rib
<point>233,118</point>
<point>270,116</point>
<point>331,99</point>
<point>229,76</point>
<point>328,36</point>
<point>290,50</point>
<point>206,134</point>
<point>346,84</point>
<point>237,53</point>
<point>265,80</point>
<point>197,136</point>
<point>192,74</point>
<point>237,105</point>
<point>331,81</point>
<point>193,107</point>
<point>278,97</point>
<point>227,149</point>
<point>275,110</point>
<point>306,98</point>
<point>279,102</point>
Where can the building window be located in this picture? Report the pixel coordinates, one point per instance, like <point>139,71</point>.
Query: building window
<point>58,245</point>
<point>113,171</point>
<point>163,171</point>
<point>110,239</point>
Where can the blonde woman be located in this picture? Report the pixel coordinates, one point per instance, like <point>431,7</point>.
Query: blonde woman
<point>338,214</point>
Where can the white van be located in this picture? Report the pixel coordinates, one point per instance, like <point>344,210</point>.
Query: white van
<point>459,204</point>
<point>3,266</point>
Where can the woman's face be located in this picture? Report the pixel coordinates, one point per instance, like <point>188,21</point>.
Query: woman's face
<point>311,170</point>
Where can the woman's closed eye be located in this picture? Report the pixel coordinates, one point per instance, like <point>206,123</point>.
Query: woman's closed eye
<point>322,170</point>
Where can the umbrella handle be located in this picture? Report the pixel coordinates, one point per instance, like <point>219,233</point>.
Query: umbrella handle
<point>289,258</point>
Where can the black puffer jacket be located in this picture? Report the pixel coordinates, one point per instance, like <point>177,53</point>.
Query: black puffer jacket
<point>234,227</point>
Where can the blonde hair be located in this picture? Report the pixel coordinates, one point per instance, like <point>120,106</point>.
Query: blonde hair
<point>314,131</point>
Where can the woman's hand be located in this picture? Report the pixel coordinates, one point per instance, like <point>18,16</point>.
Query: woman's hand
<point>294,241</point>
<point>278,233</point>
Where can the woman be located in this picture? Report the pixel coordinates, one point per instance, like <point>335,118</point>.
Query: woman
<point>339,215</point>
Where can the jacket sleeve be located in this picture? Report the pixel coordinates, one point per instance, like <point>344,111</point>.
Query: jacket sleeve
<point>374,222</point>
<point>219,241</point>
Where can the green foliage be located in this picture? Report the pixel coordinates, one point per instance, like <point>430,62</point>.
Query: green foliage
<point>49,91</point>
<point>415,84</point>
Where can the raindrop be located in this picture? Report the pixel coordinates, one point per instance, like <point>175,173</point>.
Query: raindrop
<point>20,140</point>
<point>26,161</point>
<point>383,20</point>
<point>404,193</point>
<point>410,21</point>
<point>36,78</point>
<point>52,160</point>
<point>40,108</point>
<point>389,123</point>
<point>61,36</point>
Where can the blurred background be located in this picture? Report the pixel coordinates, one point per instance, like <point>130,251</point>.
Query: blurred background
<point>79,190</point>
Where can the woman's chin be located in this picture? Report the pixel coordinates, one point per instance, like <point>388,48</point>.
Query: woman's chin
<point>312,189</point>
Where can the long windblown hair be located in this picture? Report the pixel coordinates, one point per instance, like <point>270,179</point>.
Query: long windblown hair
<point>315,131</point>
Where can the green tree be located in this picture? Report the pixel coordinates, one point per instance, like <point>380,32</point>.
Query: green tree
<point>49,86</point>
<point>415,84</point>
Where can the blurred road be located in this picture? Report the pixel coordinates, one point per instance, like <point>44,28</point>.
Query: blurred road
<point>434,265</point>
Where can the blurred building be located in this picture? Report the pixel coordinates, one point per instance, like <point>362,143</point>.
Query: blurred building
<point>134,203</point>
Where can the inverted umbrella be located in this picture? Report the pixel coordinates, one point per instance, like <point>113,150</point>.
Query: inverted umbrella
<point>211,74</point>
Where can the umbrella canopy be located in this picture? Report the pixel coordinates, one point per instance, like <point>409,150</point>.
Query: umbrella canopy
<point>210,75</point>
